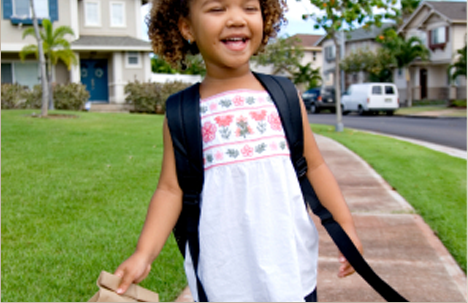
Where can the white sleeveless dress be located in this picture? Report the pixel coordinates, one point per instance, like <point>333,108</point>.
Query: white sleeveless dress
<point>257,242</point>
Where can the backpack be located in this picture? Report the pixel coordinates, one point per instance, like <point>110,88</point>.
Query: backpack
<point>183,116</point>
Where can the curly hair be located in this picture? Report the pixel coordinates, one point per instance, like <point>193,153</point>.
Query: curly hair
<point>168,43</point>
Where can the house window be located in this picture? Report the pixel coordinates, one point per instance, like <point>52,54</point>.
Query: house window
<point>133,59</point>
<point>23,73</point>
<point>21,9</point>
<point>7,73</point>
<point>314,55</point>
<point>117,14</point>
<point>330,52</point>
<point>438,35</point>
<point>400,72</point>
<point>92,13</point>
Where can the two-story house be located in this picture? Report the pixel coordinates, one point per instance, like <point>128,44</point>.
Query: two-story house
<point>359,38</point>
<point>442,28</point>
<point>312,53</point>
<point>108,43</point>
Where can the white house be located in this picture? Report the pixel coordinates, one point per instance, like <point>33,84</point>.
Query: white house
<point>442,28</point>
<point>108,42</point>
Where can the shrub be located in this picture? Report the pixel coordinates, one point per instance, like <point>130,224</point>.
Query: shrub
<point>150,97</point>
<point>34,97</point>
<point>458,103</point>
<point>71,96</point>
<point>13,96</point>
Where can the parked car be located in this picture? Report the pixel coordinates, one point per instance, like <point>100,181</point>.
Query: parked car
<point>366,98</point>
<point>318,99</point>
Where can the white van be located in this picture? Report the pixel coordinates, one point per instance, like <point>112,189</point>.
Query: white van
<point>370,98</point>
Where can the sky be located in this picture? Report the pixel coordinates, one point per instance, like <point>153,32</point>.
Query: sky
<point>294,15</point>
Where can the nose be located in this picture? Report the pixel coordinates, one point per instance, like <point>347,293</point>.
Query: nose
<point>236,18</point>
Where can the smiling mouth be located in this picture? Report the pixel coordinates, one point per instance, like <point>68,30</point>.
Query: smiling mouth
<point>235,44</point>
<point>234,40</point>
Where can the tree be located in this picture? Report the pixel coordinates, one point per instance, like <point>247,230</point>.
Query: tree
<point>284,54</point>
<point>458,67</point>
<point>40,52</point>
<point>55,46</point>
<point>405,52</point>
<point>307,75</point>
<point>340,15</point>
<point>377,66</point>
<point>193,65</point>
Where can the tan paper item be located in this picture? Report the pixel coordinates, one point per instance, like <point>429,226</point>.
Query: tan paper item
<point>108,284</point>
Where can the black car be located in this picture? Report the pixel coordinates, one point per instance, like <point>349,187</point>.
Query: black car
<point>318,99</point>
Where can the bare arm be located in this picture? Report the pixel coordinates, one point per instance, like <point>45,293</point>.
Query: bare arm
<point>163,212</point>
<point>327,189</point>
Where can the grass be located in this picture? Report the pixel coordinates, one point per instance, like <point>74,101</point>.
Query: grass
<point>74,198</point>
<point>432,182</point>
<point>445,111</point>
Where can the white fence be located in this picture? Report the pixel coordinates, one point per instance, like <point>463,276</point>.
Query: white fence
<point>162,78</point>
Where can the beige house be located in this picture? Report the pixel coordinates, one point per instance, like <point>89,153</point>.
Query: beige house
<point>442,27</point>
<point>108,43</point>
<point>359,38</point>
<point>312,54</point>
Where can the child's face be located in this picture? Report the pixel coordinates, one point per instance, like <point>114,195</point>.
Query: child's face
<point>227,32</point>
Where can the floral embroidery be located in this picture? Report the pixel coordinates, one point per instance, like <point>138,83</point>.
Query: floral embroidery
<point>238,100</point>
<point>282,145</point>
<point>208,132</point>
<point>259,115</point>
<point>260,148</point>
<point>268,99</point>
<point>261,100</point>
<point>243,127</point>
<point>225,103</point>
<point>224,122</point>
<point>247,151</point>
<point>275,121</point>
<point>233,153</point>
<point>209,158</point>
<point>273,146</point>
<point>203,109</point>
<point>219,156</point>
<point>213,106</point>
<point>250,100</point>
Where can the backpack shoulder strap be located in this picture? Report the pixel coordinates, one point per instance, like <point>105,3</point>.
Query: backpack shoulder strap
<point>285,96</point>
<point>183,118</point>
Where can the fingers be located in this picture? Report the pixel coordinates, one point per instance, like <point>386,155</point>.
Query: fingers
<point>127,279</point>
<point>345,269</point>
<point>144,275</point>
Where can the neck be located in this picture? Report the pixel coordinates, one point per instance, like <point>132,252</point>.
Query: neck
<point>217,80</point>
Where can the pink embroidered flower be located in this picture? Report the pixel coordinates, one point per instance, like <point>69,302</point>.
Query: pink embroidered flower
<point>259,115</point>
<point>238,100</point>
<point>213,106</point>
<point>261,100</point>
<point>242,119</point>
<point>247,151</point>
<point>208,132</point>
<point>274,146</point>
<point>275,121</point>
<point>224,121</point>
<point>219,155</point>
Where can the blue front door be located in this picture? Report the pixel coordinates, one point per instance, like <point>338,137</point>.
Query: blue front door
<point>94,76</point>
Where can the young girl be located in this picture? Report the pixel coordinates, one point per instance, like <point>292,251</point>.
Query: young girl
<point>257,241</point>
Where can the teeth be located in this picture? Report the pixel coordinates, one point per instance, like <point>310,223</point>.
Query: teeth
<point>235,39</point>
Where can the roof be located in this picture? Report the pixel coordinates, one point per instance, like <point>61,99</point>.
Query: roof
<point>110,43</point>
<point>361,33</point>
<point>307,40</point>
<point>451,9</point>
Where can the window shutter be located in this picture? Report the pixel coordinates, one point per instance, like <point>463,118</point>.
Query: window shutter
<point>429,36</point>
<point>53,10</point>
<point>7,9</point>
<point>446,34</point>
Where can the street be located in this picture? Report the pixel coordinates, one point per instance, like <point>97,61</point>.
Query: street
<point>444,131</point>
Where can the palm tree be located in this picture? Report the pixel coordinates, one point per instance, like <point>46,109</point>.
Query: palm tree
<point>405,52</point>
<point>459,65</point>
<point>307,75</point>
<point>55,46</point>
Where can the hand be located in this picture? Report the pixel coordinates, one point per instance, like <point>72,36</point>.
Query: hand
<point>346,269</point>
<point>133,270</point>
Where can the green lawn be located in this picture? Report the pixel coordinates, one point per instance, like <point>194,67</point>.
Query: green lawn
<point>432,182</point>
<point>74,199</point>
<point>75,194</point>
<point>446,111</point>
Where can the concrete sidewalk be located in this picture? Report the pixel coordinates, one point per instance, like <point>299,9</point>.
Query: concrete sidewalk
<point>398,245</point>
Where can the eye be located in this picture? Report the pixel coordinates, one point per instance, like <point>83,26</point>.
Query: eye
<point>216,9</point>
<point>251,8</point>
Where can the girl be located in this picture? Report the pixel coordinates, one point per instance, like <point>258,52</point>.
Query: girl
<point>257,241</point>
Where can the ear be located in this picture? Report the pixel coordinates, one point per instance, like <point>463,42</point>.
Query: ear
<point>185,29</point>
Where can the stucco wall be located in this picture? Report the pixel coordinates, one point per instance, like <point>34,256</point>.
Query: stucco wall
<point>105,29</point>
<point>62,75</point>
<point>459,32</point>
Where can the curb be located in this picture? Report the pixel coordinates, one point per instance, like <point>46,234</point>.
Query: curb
<point>428,117</point>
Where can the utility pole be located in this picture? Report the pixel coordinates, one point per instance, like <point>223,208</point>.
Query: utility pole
<point>339,46</point>
<point>45,90</point>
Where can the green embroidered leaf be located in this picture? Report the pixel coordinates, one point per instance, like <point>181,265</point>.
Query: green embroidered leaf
<point>262,126</point>
<point>225,103</point>
<point>250,100</point>
<point>203,109</point>
<point>209,158</point>
<point>268,98</point>
<point>225,132</point>
<point>260,148</point>
<point>282,145</point>
<point>233,153</point>
<point>243,129</point>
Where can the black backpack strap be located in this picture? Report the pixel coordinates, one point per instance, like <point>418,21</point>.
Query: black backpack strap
<point>183,118</point>
<point>285,97</point>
